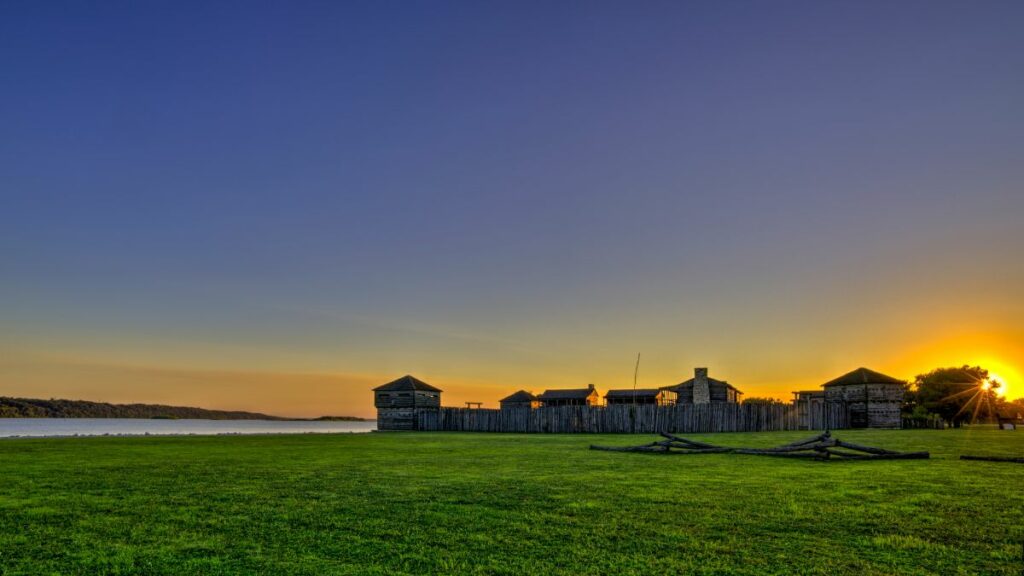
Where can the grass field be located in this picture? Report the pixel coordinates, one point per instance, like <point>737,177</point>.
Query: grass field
<point>504,504</point>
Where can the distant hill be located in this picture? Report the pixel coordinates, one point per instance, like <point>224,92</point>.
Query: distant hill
<point>34,408</point>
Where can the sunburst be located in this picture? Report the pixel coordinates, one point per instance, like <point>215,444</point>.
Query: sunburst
<point>980,401</point>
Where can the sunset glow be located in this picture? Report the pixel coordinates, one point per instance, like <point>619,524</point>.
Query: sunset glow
<point>495,200</point>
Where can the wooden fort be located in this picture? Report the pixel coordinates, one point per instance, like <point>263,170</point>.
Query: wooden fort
<point>859,399</point>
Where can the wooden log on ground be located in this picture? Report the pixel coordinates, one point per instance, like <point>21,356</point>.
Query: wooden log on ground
<point>819,438</point>
<point>783,449</point>
<point>690,442</point>
<point>821,447</point>
<point>804,454</point>
<point>860,448</point>
<point>892,456</point>
<point>993,459</point>
<point>703,451</point>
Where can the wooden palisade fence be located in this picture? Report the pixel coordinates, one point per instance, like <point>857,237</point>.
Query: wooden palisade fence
<point>640,418</point>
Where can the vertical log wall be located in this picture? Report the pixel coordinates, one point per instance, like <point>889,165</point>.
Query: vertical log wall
<point>683,418</point>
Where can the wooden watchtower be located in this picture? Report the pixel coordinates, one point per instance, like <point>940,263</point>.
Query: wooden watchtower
<point>399,401</point>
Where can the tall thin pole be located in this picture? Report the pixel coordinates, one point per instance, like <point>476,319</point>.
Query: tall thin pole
<point>636,371</point>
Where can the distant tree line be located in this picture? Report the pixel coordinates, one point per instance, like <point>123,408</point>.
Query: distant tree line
<point>54,408</point>
<point>763,400</point>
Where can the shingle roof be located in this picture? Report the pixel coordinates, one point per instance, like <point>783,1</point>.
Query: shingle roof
<point>689,382</point>
<point>639,393</point>
<point>521,396</point>
<point>581,393</point>
<point>406,382</point>
<point>863,376</point>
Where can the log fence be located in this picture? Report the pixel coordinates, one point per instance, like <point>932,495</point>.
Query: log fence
<point>636,419</point>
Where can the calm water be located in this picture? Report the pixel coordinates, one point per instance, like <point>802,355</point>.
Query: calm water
<point>134,426</point>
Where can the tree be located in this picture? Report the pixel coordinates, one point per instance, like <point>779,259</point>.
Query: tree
<point>1012,408</point>
<point>759,400</point>
<point>959,395</point>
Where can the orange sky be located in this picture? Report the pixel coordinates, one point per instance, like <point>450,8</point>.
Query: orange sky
<point>266,389</point>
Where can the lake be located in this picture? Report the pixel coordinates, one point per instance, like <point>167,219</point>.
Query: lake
<point>21,427</point>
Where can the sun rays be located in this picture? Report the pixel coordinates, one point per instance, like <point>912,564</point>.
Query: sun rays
<point>981,399</point>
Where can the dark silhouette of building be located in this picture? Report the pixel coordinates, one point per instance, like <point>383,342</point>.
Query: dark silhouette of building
<point>573,397</point>
<point>521,399</point>
<point>658,397</point>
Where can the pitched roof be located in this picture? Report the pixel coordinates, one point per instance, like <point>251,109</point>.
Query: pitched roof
<point>521,396</point>
<point>675,388</point>
<point>639,393</point>
<point>405,383</point>
<point>809,392</point>
<point>863,376</point>
<point>569,394</point>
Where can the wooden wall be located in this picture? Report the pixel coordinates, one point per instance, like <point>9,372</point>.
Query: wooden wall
<point>407,399</point>
<point>683,418</point>
<point>870,405</point>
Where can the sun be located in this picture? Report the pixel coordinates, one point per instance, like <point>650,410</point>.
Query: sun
<point>993,377</point>
<point>1008,375</point>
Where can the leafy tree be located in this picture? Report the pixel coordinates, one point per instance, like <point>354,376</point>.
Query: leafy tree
<point>759,400</point>
<point>957,394</point>
<point>1012,408</point>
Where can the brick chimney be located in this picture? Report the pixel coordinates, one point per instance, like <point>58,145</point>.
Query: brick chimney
<point>701,389</point>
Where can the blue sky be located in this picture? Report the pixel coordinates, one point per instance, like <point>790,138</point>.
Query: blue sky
<point>506,195</point>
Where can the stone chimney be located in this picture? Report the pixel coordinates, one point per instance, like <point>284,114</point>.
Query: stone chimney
<point>590,387</point>
<point>701,389</point>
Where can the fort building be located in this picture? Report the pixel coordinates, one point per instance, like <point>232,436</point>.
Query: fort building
<point>701,389</point>
<point>398,401</point>
<point>872,399</point>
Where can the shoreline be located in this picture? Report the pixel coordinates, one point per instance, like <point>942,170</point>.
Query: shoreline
<point>169,434</point>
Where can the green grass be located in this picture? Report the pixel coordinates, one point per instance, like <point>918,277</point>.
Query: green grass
<point>504,504</point>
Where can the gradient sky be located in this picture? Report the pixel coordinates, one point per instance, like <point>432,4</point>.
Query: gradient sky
<point>276,206</point>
